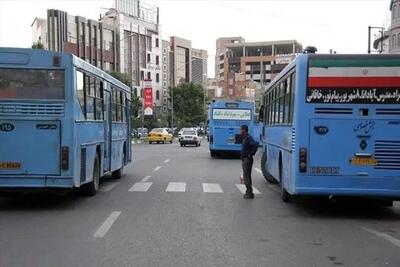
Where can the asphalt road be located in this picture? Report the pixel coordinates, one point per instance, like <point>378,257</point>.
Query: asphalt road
<point>178,207</point>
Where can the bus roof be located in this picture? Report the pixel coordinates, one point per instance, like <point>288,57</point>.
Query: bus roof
<point>335,60</point>
<point>22,56</point>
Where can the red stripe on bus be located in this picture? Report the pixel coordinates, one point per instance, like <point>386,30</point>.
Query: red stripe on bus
<point>367,82</point>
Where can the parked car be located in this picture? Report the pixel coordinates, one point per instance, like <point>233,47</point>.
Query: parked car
<point>182,130</point>
<point>160,135</point>
<point>190,137</point>
<point>134,133</point>
<point>142,132</point>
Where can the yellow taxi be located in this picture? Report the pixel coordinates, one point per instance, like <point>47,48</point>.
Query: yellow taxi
<point>159,135</point>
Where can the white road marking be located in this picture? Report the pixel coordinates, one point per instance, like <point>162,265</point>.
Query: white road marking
<point>157,168</point>
<point>242,189</point>
<point>387,237</point>
<point>145,179</point>
<point>187,150</point>
<point>106,187</point>
<point>139,142</point>
<point>105,227</point>
<point>212,188</point>
<point>167,160</point>
<point>258,170</point>
<point>176,187</point>
<point>140,187</point>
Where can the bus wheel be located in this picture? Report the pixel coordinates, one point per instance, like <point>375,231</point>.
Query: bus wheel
<point>266,174</point>
<point>91,188</point>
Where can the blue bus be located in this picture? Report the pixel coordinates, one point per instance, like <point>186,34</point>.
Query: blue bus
<point>63,122</point>
<point>332,127</point>
<point>225,118</point>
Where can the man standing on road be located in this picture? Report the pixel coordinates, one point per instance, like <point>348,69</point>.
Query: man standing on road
<point>249,149</point>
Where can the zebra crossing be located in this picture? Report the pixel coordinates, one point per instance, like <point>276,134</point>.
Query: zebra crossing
<point>181,187</point>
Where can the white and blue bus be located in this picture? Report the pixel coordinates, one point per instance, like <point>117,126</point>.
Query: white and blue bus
<point>225,119</point>
<point>63,122</point>
<point>332,127</point>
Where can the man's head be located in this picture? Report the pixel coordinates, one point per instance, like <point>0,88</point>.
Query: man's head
<point>244,130</point>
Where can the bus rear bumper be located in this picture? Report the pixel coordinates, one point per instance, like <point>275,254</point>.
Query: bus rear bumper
<point>36,182</point>
<point>349,186</point>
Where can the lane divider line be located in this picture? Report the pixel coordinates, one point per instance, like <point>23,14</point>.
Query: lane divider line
<point>384,236</point>
<point>106,226</point>
<point>157,168</point>
<point>242,189</point>
<point>167,160</point>
<point>176,187</point>
<point>140,187</point>
<point>146,178</point>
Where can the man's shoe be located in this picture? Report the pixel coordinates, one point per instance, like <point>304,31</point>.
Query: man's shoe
<point>248,196</point>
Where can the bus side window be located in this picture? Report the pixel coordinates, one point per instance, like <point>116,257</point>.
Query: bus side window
<point>80,89</point>
<point>99,100</point>
<point>114,105</point>
<point>90,98</point>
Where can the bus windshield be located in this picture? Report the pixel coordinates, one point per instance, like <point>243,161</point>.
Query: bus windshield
<point>31,84</point>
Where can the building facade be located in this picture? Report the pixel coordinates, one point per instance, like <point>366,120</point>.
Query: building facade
<point>243,65</point>
<point>88,39</point>
<point>199,66</point>
<point>220,51</point>
<point>126,39</point>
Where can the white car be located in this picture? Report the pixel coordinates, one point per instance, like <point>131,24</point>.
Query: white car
<point>182,130</point>
<point>190,137</point>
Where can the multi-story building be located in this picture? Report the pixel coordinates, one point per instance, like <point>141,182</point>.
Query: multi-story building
<point>245,63</point>
<point>125,39</point>
<point>199,66</point>
<point>140,43</point>
<point>187,64</point>
<point>221,48</point>
<point>90,40</point>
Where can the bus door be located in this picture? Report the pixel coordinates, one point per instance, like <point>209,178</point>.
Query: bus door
<point>107,130</point>
<point>129,129</point>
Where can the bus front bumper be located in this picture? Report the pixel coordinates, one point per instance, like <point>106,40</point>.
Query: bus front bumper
<point>35,182</point>
<point>385,187</point>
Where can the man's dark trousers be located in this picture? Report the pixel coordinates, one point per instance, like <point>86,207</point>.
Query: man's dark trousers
<point>247,165</point>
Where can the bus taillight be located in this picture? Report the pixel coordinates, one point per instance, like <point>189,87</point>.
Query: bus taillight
<point>64,158</point>
<point>303,160</point>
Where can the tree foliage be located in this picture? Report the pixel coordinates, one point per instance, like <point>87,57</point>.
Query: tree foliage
<point>37,45</point>
<point>188,105</point>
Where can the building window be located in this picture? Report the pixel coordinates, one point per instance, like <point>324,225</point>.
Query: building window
<point>165,50</point>
<point>148,58</point>
<point>157,77</point>
<point>142,75</point>
<point>157,60</point>
<point>157,42</point>
<point>393,41</point>
<point>149,76</point>
<point>158,95</point>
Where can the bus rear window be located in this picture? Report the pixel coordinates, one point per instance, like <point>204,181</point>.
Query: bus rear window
<point>31,84</point>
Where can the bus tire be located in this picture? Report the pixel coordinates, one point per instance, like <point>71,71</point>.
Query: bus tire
<point>266,174</point>
<point>286,197</point>
<point>91,188</point>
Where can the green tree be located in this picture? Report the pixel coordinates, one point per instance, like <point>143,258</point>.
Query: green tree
<point>188,105</point>
<point>38,45</point>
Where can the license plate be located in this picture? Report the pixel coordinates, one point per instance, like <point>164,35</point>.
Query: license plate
<point>364,161</point>
<point>10,165</point>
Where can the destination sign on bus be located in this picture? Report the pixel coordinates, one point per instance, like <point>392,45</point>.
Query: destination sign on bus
<point>232,114</point>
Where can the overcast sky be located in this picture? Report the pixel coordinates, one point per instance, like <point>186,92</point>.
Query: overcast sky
<point>327,24</point>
